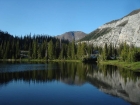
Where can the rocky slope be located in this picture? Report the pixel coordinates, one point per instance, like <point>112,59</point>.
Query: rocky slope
<point>72,35</point>
<point>126,29</point>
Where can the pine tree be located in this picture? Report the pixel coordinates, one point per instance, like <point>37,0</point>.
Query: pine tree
<point>69,51</point>
<point>46,50</point>
<point>6,51</point>
<point>131,56</point>
<point>83,49</point>
<point>39,53</point>
<point>29,51</point>
<point>110,52</point>
<point>79,55</point>
<point>57,48</point>
<point>17,50</point>
<point>50,50</point>
<point>13,50</point>
<point>61,55</point>
<point>73,50</point>
<point>0,51</point>
<point>105,52</point>
<point>34,55</point>
<point>124,52</point>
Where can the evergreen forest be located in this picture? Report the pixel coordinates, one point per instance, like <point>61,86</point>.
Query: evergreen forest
<point>50,48</point>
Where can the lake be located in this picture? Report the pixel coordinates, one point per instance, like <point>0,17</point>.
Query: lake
<point>67,84</point>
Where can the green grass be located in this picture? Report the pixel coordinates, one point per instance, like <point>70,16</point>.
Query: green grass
<point>127,65</point>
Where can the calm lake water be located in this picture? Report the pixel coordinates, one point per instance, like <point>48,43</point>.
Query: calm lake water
<point>67,84</point>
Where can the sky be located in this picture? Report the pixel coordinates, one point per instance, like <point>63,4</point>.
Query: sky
<point>55,17</point>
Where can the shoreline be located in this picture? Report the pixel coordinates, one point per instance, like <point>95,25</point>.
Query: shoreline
<point>135,66</point>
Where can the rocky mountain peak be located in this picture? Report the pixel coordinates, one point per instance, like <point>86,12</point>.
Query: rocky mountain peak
<point>72,35</point>
<point>126,29</point>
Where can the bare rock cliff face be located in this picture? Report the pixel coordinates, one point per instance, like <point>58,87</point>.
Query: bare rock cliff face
<point>126,29</point>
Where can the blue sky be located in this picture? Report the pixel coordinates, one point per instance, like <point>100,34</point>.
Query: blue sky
<point>54,17</point>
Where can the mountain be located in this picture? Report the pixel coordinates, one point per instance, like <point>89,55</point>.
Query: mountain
<point>126,29</point>
<point>72,35</point>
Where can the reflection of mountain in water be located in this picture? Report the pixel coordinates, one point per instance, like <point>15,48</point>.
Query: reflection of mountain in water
<point>75,81</point>
<point>109,79</point>
<point>116,83</point>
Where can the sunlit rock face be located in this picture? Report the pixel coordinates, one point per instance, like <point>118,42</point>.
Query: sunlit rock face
<point>115,84</point>
<point>126,29</point>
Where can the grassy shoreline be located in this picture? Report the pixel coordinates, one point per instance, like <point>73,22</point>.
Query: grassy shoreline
<point>127,65</point>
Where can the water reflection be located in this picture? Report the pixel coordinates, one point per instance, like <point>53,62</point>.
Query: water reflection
<point>109,79</point>
<point>117,82</point>
<point>70,73</point>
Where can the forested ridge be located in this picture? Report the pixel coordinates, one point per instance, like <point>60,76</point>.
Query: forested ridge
<point>39,47</point>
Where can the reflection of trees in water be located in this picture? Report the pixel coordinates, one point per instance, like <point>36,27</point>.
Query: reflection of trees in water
<point>126,74</point>
<point>65,70</point>
<point>109,79</point>
<point>118,82</point>
<point>62,70</point>
<point>129,75</point>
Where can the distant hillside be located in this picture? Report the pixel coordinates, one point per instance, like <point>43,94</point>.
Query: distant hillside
<point>126,29</point>
<point>5,36</point>
<point>72,35</point>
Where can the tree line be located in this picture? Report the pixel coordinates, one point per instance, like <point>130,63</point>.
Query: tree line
<point>123,52</point>
<point>50,48</point>
<point>40,47</point>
